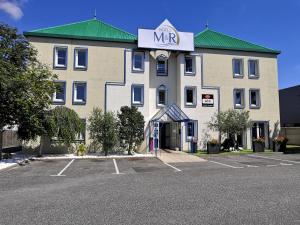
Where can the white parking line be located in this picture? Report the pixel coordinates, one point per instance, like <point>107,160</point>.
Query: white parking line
<point>116,166</point>
<point>271,165</point>
<point>286,164</point>
<point>235,167</point>
<point>264,157</point>
<point>252,166</point>
<point>175,168</point>
<point>63,170</point>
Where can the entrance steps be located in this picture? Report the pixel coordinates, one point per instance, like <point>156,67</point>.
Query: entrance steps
<point>170,156</point>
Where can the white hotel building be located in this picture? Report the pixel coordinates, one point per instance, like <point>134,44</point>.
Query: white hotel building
<point>177,80</point>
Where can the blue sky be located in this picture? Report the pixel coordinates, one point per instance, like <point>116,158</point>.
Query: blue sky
<point>274,24</point>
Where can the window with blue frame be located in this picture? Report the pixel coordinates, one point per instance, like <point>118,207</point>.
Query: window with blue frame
<point>79,92</point>
<point>253,68</point>
<point>137,95</point>
<point>60,57</point>
<point>60,92</point>
<point>190,129</point>
<point>162,67</point>
<point>138,61</point>
<point>239,98</point>
<point>238,67</point>
<point>81,58</point>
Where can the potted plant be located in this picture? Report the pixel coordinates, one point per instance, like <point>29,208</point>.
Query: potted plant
<point>213,147</point>
<point>279,143</point>
<point>81,150</point>
<point>259,144</point>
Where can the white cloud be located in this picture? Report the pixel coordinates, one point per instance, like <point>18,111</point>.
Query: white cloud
<point>12,8</point>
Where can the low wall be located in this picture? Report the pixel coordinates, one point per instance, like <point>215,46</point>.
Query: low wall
<point>292,133</point>
<point>10,139</point>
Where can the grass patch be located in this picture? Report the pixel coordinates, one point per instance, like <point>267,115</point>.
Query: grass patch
<point>203,153</point>
<point>292,146</point>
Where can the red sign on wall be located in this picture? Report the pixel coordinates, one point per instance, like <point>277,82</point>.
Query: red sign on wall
<point>207,100</point>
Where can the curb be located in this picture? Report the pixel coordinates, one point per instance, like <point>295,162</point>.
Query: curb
<point>91,157</point>
<point>8,167</point>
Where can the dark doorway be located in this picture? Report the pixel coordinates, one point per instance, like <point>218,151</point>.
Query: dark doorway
<point>164,136</point>
<point>260,130</point>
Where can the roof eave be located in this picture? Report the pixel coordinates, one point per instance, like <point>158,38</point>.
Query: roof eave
<point>276,52</point>
<point>35,34</point>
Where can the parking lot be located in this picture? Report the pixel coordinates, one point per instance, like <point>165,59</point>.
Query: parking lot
<point>247,189</point>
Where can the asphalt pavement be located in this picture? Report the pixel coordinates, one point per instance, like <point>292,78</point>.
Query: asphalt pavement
<point>248,189</point>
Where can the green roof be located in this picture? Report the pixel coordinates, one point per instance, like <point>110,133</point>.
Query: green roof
<point>214,40</point>
<point>97,30</point>
<point>88,30</point>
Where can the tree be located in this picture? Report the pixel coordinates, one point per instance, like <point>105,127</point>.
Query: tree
<point>64,124</point>
<point>131,127</point>
<point>26,85</point>
<point>103,129</point>
<point>230,122</point>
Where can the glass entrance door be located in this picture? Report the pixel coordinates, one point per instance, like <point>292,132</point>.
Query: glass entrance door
<point>164,136</point>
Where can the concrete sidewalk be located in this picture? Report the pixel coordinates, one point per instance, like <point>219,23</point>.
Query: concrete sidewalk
<point>169,156</point>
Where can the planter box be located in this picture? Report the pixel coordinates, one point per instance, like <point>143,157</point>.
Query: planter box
<point>258,146</point>
<point>279,146</point>
<point>213,149</point>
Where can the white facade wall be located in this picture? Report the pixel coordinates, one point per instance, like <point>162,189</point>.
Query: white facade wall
<point>119,94</point>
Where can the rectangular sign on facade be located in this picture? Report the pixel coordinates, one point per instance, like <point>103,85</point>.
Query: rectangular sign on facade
<point>165,37</point>
<point>207,100</point>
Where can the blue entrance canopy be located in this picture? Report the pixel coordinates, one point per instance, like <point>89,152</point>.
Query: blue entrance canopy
<point>173,111</point>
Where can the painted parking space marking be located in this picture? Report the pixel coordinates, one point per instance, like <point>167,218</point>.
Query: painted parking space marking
<point>272,158</point>
<point>286,164</point>
<point>252,166</point>
<point>60,174</point>
<point>175,168</point>
<point>116,167</point>
<point>222,164</point>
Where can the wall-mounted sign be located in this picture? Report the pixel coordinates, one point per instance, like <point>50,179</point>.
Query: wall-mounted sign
<point>207,100</point>
<point>165,36</point>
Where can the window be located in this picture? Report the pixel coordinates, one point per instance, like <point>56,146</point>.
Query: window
<point>239,95</point>
<point>79,93</point>
<point>253,69</point>
<point>237,67</point>
<point>81,55</point>
<point>190,129</point>
<point>190,96</point>
<point>138,61</point>
<point>60,92</point>
<point>162,95</point>
<point>162,67</point>
<point>137,95</point>
<point>254,98</point>
<point>60,57</point>
<point>189,65</point>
